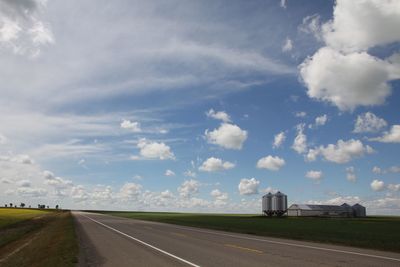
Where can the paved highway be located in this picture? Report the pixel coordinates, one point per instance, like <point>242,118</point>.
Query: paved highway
<point>113,241</point>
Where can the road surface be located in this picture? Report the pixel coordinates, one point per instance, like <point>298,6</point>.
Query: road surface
<point>113,241</point>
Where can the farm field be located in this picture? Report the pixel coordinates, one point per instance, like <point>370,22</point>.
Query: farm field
<point>30,237</point>
<point>380,233</point>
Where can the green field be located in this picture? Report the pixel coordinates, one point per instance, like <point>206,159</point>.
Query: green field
<point>381,233</point>
<point>30,237</point>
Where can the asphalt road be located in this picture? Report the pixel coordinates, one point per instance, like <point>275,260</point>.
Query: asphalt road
<point>112,241</point>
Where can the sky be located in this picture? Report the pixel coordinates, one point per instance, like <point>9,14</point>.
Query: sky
<point>199,106</point>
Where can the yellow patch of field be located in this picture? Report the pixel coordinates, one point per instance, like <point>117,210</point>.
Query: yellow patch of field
<point>13,215</point>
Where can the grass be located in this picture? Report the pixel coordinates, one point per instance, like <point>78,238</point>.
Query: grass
<point>47,240</point>
<point>380,233</point>
<point>10,216</point>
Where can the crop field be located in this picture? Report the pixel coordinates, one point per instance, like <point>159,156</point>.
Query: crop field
<point>30,237</point>
<point>371,232</point>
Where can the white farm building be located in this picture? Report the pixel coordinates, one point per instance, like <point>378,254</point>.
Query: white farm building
<point>344,210</point>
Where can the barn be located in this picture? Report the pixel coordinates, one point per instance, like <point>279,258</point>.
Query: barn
<point>344,210</point>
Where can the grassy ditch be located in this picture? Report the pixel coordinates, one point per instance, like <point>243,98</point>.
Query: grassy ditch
<point>380,233</point>
<point>46,240</point>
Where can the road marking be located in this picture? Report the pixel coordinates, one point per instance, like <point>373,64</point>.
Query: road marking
<point>243,248</point>
<point>275,242</point>
<point>291,244</point>
<point>143,243</point>
<point>179,234</point>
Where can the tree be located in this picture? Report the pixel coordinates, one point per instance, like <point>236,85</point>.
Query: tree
<point>11,205</point>
<point>56,207</point>
<point>22,205</point>
<point>5,205</point>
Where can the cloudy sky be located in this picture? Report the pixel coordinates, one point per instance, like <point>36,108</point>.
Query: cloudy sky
<point>199,106</point>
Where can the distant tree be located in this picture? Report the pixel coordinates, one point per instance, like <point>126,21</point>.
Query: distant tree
<point>39,206</point>
<point>11,205</point>
<point>29,206</point>
<point>56,207</point>
<point>5,205</point>
<point>48,207</point>
<point>22,205</point>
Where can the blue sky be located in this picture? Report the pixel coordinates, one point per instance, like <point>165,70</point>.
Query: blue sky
<point>199,106</point>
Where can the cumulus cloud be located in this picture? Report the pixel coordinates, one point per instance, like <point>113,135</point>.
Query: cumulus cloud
<point>228,136</point>
<point>271,163</point>
<point>154,150</point>
<point>394,187</point>
<point>288,45</point>
<point>369,123</point>
<point>248,186</point>
<point>376,170</point>
<point>321,120</point>
<point>31,192</point>
<point>300,114</point>
<point>188,188</point>
<point>341,152</point>
<point>300,141</point>
<point>20,158</point>
<point>350,174</point>
<point>363,78</point>
<point>21,29</point>
<point>220,198</point>
<point>342,72</point>
<point>359,25</point>
<point>220,115</point>
<point>377,185</point>
<point>314,175</point>
<point>169,173</point>
<point>24,183</point>
<point>134,126</point>
<point>130,191</point>
<point>283,4</point>
<point>215,164</point>
<point>279,139</point>
<point>392,136</point>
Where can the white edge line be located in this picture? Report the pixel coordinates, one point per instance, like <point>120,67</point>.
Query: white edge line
<point>278,242</point>
<point>143,243</point>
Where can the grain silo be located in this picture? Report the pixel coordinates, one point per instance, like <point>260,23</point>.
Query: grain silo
<point>274,204</point>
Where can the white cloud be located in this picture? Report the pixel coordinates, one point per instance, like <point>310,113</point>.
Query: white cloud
<point>341,152</point>
<point>283,4</point>
<point>300,141</point>
<point>350,174</point>
<point>190,173</point>
<point>279,139</point>
<point>21,29</point>
<point>300,114</point>
<point>220,115</point>
<point>248,186</point>
<point>376,170</point>
<point>377,185</point>
<point>188,188</point>
<point>215,164</point>
<point>271,163</point>
<point>20,158</point>
<point>269,189</point>
<point>312,25</point>
<point>342,72</point>
<point>130,191</point>
<point>169,173</point>
<point>228,136</point>
<point>369,122</point>
<point>24,183</point>
<point>31,192</point>
<point>394,169</point>
<point>314,175</point>
<point>288,45</point>
<point>220,198</point>
<point>394,187</point>
<point>393,136</point>
<point>367,86</point>
<point>79,193</point>
<point>321,120</point>
<point>338,201</point>
<point>359,25</point>
<point>154,150</point>
<point>134,126</point>
<point>3,139</point>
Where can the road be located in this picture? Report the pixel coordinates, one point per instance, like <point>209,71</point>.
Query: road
<point>112,241</point>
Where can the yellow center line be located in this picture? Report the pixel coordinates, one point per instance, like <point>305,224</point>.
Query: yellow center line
<point>243,248</point>
<point>179,234</point>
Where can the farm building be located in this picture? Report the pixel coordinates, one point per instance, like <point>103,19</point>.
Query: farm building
<point>344,210</point>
